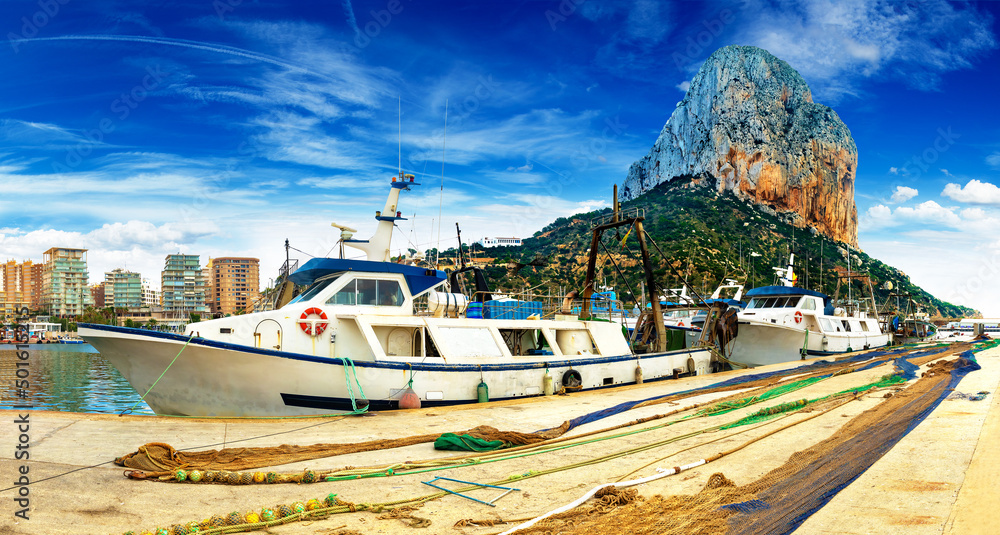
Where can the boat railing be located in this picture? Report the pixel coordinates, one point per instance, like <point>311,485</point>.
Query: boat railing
<point>522,305</point>
<point>633,212</point>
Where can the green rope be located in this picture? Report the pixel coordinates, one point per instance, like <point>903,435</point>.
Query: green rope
<point>349,370</point>
<point>150,389</point>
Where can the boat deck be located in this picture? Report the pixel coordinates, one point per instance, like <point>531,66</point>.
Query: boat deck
<point>939,478</point>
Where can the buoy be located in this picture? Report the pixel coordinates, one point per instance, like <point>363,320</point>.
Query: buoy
<point>483,392</point>
<point>409,400</point>
<point>638,374</point>
<point>547,388</point>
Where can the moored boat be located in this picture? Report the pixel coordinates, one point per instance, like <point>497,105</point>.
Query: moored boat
<point>784,323</point>
<point>366,332</point>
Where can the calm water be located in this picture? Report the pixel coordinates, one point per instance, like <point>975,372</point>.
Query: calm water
<point>67,377</point>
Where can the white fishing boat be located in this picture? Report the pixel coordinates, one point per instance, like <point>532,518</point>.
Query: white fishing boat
<point>366,332</point>
<point>784,323</point>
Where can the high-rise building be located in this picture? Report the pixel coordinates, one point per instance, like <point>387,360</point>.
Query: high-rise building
<point>97,293</point>
<point>150,295</point>
<point>183,286</point>
<point>122,289</point>
<point>235,283</point>
<point>35,285</point>
<point>64,281</point>
<point>16,288</point>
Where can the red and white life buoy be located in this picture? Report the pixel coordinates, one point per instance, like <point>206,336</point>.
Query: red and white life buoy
<point>680,323</point>
<point>798,316</point>
<point>307,326</point>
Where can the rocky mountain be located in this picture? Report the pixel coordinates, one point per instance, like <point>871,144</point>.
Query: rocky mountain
<point>748,125</point>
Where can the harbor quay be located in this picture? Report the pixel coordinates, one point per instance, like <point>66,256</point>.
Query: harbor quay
<point>937,478</point>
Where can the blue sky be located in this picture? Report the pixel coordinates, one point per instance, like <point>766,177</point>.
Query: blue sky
<point>138,129</point>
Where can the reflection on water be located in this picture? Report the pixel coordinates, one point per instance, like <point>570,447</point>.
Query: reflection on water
<point>63,377</point>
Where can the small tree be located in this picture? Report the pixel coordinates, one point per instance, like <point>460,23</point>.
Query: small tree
<point>194,317</point>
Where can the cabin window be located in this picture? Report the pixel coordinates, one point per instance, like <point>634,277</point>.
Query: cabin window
<point>523,342</point>
<point>390,294</point>
<point>313,290</point>
<point>369,292</point>
<point>864,326</point>
<point>808,303</point>
<point>827,325</point>
<point>346,295</point>
<point>847,326</point>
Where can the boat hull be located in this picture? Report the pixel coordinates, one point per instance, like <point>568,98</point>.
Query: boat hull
<point>211,378</point>
<point>760,344</point>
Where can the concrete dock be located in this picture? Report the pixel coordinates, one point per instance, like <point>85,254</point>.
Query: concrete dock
<point>940,478</point>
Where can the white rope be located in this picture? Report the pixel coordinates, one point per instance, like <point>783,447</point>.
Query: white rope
<point>661,473</point>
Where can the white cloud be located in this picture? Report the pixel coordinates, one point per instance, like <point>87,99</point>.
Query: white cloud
<point>893,171</point>
<point>926,213</point>
<point>994,160</point>
<point>947,173</point>
<point>974,192</point>
<point>684,86</point>
<point>835,45</point>
<point>903,194</point>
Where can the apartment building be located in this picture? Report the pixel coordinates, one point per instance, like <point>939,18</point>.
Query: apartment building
<point>183,286</point>
<point>64,281</point>
<point>235,283</point>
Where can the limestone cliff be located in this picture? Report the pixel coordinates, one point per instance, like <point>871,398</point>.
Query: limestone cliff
<point>748,124</point>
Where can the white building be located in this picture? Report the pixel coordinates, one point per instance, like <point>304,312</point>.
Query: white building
<point>500,242</point>
<point>150,295</point>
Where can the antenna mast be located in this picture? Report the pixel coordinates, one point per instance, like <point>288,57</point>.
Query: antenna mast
<point>444,144</point>
<point>399,136</point>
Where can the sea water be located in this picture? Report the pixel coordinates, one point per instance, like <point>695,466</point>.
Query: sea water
<point>65,377</point>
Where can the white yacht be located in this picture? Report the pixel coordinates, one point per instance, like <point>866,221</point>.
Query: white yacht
<point>366,332</point>
<point>784,323</point>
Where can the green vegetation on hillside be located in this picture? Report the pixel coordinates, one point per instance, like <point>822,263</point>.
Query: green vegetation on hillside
<point>707,237</point>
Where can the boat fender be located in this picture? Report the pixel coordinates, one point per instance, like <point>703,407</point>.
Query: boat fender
<point>409,400</point>
<point>692,367</point>
<point>483,392</point>
<point>572,379</point>
<point>638,374</point>
<point>547,387</point>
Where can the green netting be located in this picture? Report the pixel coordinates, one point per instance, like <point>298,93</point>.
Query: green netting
<point>769,412</point>
<point>451,441</point>
<point>727,406</point>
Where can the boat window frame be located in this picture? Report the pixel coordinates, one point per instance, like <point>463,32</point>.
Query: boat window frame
<point>356,280</point>
<point>314,289</point>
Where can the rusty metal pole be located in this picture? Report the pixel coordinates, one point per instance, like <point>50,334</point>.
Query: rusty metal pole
<point>588,289</point>
<point>661,331</point>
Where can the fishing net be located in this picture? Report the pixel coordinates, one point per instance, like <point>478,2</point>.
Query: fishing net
<point>157,458</point>
<point>161,461</point>
<point>783,498</point>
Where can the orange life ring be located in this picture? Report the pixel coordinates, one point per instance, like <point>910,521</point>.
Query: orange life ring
<point>680,323</point>
<point>307,326</point>
<point>798,316</point>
